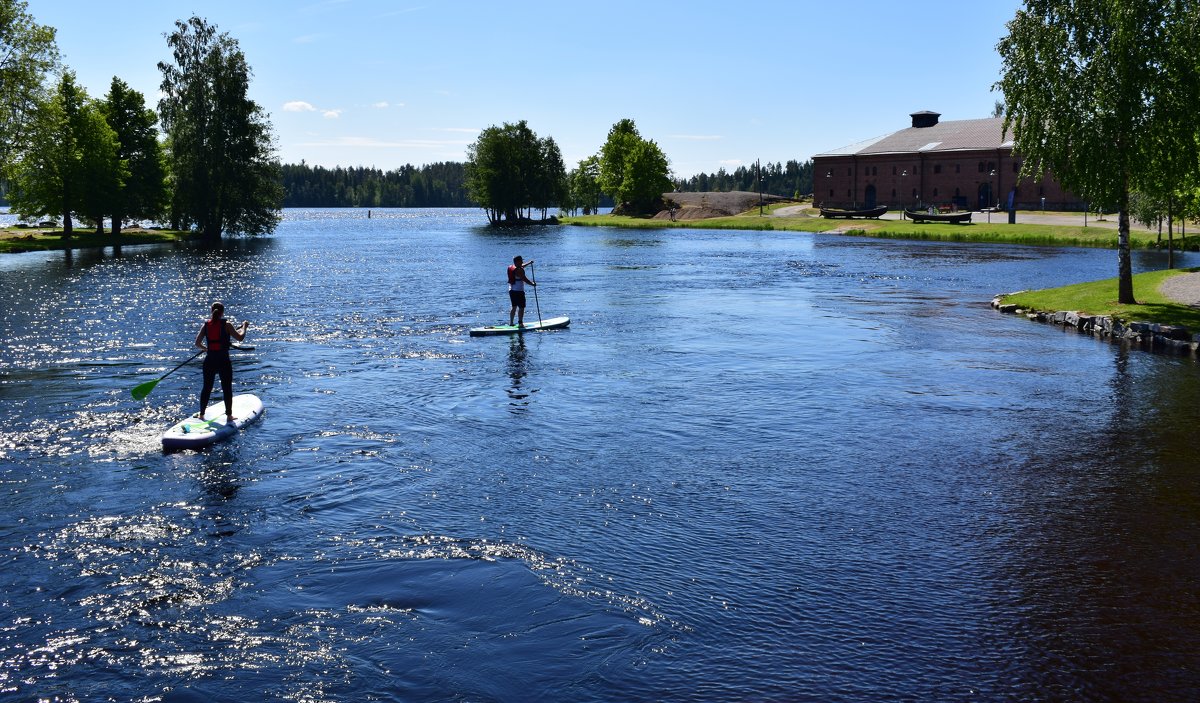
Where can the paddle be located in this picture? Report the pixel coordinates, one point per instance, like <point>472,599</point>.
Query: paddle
<point>142,390</point>
<point>533,277</point>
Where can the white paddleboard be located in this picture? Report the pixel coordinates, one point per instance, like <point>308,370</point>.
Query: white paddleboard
<point>550,323</point>
<point>193,432</point>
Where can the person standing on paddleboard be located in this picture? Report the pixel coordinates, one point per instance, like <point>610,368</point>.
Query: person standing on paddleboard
<point>516,289</point>
<point>214,337</point>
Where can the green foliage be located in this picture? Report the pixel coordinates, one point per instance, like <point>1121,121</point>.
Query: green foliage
<point>27,54</point>
<point>646,178</point>
<point>143,194</point>
<point>222,161</point>
<point>621,138</point>
<point>585,186</point>
<point>1096,91</point>
<point>632,169</point>
<point>510,171</point>
<point>70,163</point>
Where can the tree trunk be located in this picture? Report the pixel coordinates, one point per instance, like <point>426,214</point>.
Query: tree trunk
<point>116,225</point>
<point>1170,242</point>
<point>1124,266</point>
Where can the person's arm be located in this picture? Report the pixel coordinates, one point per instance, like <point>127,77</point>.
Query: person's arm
<point>200,338</point>
<point>238,333</point>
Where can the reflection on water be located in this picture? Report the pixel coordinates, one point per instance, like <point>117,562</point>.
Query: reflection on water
<point>517,368</point>
<point>759,466</point>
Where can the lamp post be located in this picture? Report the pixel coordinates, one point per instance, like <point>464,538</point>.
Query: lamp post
<point>991,179</point>
<point>762,182</point>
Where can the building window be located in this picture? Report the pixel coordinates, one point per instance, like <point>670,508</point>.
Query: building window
<point>914,193</point>
<point>831,192</point>
<point>893,172</point>
<point>958,168</point>
<point>935,192</point>
<point>1016,167</point>
<point>937,168</point>
<point>849,193</point>
<point>956,193</point>
<point>849,172</point>
<point>893,192</point>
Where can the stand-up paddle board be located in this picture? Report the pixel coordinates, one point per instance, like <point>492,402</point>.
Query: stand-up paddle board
<point>193,432</point>
<point>552,323</point>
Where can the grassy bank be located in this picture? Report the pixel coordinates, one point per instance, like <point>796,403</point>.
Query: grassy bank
<point>1099,298</point>
<point>13,241</point>
<point>980,231</point>
<point>744,221</point>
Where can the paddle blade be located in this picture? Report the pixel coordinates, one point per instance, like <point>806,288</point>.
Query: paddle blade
<point>142,390</point>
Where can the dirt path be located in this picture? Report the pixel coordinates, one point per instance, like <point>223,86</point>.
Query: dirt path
<point>1184,289</point>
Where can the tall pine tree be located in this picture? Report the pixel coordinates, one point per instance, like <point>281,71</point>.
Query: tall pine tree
<point>221,154</point>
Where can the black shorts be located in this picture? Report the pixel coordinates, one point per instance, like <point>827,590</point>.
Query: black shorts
<point>517,297</point>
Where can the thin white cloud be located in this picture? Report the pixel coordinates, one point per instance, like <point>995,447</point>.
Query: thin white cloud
<point>734,163</point>
<point>382,105</point>
<point>298,106</point>
<point>331,114</point>
<point>698,137</point>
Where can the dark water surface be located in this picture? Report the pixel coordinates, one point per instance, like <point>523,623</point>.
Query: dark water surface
<point>758,466</point>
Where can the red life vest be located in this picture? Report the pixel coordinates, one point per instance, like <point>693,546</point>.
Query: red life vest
<point>512,274</point>
<point>218,336</point>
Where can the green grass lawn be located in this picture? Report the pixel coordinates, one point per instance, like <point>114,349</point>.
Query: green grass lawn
<point>1100,298</point>
<point>20,240</point>
<point>996,232</point>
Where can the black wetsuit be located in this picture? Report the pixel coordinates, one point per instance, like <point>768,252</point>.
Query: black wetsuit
<point>216,361</point>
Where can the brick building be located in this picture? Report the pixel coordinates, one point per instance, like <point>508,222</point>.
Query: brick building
<point>963,164</point>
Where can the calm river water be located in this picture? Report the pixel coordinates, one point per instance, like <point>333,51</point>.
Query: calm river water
<point>758,466</point>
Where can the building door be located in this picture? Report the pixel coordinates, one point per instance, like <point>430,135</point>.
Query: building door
<point>870,196</point>
<point>985,195</point>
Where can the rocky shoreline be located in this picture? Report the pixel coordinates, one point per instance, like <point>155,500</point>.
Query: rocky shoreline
<point>1150,336</point>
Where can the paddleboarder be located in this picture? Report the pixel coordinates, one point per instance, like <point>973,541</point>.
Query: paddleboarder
<point>214,338</point>
<point>516,289</point>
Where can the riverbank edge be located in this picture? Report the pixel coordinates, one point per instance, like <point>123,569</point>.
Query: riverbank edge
<point>1148,336</point>
<point>21,241</point>
<point>975,233</point>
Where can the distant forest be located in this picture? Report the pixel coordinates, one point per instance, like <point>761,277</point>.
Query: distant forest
<point>443,184</point>
<point>432,185</point>
<point>790,180</point>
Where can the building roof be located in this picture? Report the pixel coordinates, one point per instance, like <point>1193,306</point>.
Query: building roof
<point>954,135</point>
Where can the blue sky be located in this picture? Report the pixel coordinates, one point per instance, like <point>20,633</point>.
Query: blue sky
<point>384,83</point>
